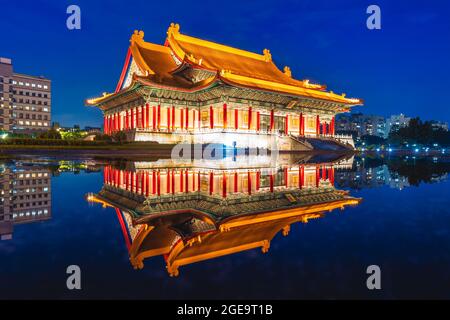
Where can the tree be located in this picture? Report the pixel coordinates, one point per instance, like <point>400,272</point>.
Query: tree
<point>50,134</point>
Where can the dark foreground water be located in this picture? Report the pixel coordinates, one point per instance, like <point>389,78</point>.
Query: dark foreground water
<point>402,225</point>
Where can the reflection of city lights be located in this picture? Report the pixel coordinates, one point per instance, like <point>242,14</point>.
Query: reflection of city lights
<point>390,149</point>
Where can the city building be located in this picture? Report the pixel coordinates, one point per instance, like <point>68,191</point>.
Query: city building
<point>361,124</point>
<point>25,197</point>
<point>439,125</point>
<point>395,122</point>
<point>25,101</point>
<point>196,91</point>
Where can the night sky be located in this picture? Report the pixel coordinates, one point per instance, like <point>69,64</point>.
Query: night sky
<point>404,67</point>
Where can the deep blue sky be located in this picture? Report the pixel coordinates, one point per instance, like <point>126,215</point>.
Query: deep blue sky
<point>404,67</point>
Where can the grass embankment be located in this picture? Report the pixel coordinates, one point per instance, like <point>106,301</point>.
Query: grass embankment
<point>38,144</point>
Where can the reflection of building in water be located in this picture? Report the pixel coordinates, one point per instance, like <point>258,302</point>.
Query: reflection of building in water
<point>191,212</point>
<point>370,177</point>
<point>25,197</point>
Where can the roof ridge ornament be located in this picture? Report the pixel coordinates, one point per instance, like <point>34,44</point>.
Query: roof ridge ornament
<point>174,28</point>
<point>267,55</point>
<point>138,35</point>
<point>287,71</point>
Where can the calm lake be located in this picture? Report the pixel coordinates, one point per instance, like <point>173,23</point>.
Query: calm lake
<point>300,226</point>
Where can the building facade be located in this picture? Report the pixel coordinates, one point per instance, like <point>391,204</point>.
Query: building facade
<point>196,91</point>
<point>361,124</point>
<point>395,122</point>
<point>25,101</point>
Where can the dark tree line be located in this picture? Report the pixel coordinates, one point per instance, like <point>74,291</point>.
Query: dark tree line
<point>420,132</point>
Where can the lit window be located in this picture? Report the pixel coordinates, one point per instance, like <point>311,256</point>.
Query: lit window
<point>45,87</point>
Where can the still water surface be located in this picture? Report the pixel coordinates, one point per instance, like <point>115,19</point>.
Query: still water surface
<point>300,227</point>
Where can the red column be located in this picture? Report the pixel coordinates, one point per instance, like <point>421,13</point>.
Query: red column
<point>249,117</point>
<point>211,183</point>
<point>132,118</point>
<point>181,181</point>
<point>153,182</point>
<point>168,119</point>
<point>301,176</point>
<point>173,118</point>
<point>258,179</point>
<point>332,176</point>
<point>225,115</point>
<point>147,184</point>
<point>258,121</point>
<point>142,183</point>
<point>211,117</point>
<point>159,117</point>
<point>224,185</point>
<point>317,176</point>
<point>159,184</point>
<point>199,119</point>
<point>147,116</point>
<point>332,126</point>
<point>186,177</point>
<point>235,182</point>
<point>168,180</point>
<point>324,173</point>
<point>198,181</point>
<point>127,183</point>
<point>187,119</point>
<point>249,182</point>
<point>272,121</point>
<point>104,125</point>
<point>286,177</point>
<point>317,125</point>
<point>182,119</point>
<point>287,124</point>
<point>173,181</point>
<point>271,182</point>
<point>132,182</point>
<point>303,125</point>
<point>324,128</point>
<point>236,119</point>
<point>143,120</point>
<point>300,124</point>
<point>154,118</point>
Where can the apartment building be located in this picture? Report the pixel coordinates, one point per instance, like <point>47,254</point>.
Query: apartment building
<point>25,101</point>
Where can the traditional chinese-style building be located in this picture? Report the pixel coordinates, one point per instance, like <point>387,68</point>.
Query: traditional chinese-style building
<point>196,91</point>
<point>192,211</point>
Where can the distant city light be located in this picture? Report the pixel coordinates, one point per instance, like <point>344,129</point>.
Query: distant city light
<point>416,150</point>
<point>390,149</point>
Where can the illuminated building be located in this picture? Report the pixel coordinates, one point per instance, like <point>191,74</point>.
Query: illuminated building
<point>196,91</point>
<point>25,101</point>
<point>196,210</point>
